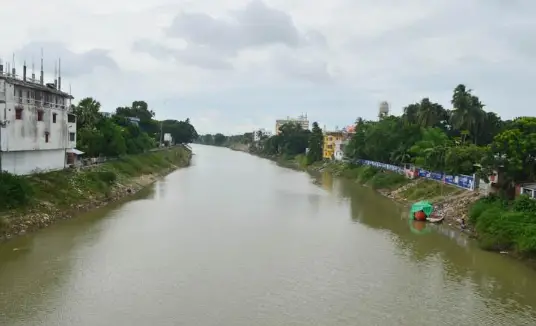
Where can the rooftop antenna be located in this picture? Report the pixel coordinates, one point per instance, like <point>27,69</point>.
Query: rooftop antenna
<point>33,70</point>
<point>13,70</point>
<point>55,74</point>
<point>41,78</point>
<point>59,74</point>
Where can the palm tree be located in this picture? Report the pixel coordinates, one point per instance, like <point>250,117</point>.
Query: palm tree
<point>430,114</point>
<point>87,113</point>
<point>468,113</point>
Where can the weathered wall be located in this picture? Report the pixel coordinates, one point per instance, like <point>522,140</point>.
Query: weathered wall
<point>27,162</point>
<point>29,133</point>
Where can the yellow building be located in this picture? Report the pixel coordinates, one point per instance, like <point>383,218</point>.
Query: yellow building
<point>330,137</point>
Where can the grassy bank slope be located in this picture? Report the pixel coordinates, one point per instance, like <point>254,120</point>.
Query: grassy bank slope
<point>28,202</point>
<point>506,225</point>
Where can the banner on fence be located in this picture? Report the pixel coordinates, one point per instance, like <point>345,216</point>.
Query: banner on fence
<point>430,175</point>
<point>384,166</point>
<point>462,181</point>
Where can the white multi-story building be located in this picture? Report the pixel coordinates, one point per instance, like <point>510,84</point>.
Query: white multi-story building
<point>302,120</point>
<point>37,129</point>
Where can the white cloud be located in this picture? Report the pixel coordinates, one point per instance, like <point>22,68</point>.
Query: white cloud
<point>231,65</point>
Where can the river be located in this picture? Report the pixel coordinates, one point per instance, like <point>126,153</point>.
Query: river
<point>237,240</point>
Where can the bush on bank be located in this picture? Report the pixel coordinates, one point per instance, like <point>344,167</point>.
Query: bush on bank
<point>505,225</point>
<point>15,191</point>
<point>63,188</point>
<point>368,175</point>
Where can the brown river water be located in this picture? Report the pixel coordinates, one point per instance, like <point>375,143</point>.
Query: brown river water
<point>237,240</point>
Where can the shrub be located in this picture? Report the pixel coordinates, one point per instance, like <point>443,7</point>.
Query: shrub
<point>525,204</point>
<point>367,173</point>
<point>108,177</point>
<point>482,205</point>
<point>496,228</point>
<point>387,180</point>
<point>15,191</point>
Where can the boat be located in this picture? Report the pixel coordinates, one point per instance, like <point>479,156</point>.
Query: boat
<point>421,211</point>
<point>435,219</point>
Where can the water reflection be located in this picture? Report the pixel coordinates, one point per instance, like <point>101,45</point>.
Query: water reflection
<point>460,258</point>
<point>419,227</point>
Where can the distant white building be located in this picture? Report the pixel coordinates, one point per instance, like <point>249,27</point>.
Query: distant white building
<point>260,132</point>
<point>338,152</point>
<point>37,129</point>
<point>302,120</point>
<point>168,138</point>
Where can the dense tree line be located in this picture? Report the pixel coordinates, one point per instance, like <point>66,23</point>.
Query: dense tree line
<point>100,135</point>
<point>462,139</point>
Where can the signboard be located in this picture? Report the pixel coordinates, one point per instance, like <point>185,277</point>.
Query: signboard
<point>461,181</point>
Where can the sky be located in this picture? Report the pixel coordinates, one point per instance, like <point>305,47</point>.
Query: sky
<point>232,66</point>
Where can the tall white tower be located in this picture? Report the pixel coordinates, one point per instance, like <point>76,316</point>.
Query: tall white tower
<point>383,110</point>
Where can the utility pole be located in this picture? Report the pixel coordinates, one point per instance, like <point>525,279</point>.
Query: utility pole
<point>161,133</point>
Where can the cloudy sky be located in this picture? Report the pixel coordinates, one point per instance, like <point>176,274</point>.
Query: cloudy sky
<point>235,65</point>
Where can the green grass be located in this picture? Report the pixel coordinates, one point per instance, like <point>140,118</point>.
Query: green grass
<point>428,190</point>
<point>368,175</point>
<point>301,161</point>
<point>503,225</point>
<point>64,188</point>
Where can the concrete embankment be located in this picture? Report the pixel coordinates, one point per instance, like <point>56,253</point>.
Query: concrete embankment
<point>63,194</point>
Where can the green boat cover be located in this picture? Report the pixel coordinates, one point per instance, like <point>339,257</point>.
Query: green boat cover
<point>424,206</point>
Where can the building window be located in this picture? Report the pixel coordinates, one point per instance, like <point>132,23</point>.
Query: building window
<point>54,115</point>
<point>20,95</point>
<point>18,113</point>
<point>72,136</point>
<point>71,118</point>
<point>40,114</point>
<point>28,96</point>
<point>46,136</point>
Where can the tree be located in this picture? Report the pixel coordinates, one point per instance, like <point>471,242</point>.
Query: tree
<point>468,113</point>
<point>513,152</point>
<point>87,113</point>
<point>115,136</point>
<point>219,139</point>
<point>431,150</point>
<point>316,143</point>
<point>294,139</point>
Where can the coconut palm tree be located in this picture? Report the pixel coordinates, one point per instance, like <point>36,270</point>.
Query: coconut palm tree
<point>468,113</point>
<point>87,113</point>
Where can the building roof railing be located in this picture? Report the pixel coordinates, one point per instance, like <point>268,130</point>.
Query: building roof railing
<point>40,103</point>
<point>34,85</point>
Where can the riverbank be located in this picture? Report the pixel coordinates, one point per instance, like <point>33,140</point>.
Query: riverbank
<point>43,198</point>
<point>451,203</point>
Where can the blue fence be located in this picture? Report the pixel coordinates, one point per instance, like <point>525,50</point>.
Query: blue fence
<point>462,181</point>
<point>384,166</point>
